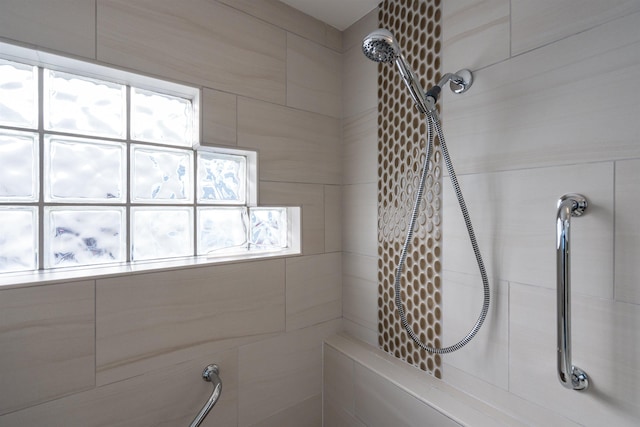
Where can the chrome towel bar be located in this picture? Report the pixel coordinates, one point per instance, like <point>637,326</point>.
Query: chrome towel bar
<point>569,375</point>
<point>210,374</point>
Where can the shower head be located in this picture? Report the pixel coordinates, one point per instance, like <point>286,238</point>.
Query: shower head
<point>381,46</point>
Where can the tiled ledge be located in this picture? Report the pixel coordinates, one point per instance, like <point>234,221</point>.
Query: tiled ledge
<point>38,278</point>
<point>449,401</point>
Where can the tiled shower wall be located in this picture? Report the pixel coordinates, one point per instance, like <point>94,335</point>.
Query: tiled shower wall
<point>553,109</point>
<point>129,350</point>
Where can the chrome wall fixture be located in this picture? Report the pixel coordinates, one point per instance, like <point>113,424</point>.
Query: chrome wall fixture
<point>210,374</point>
<point>569,375</point>
<point>381,46</point>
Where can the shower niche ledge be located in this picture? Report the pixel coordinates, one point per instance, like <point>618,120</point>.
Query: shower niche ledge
<point>383,388</point>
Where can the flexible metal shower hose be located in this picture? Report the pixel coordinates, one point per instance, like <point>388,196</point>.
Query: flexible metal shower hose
<point>432,121</point>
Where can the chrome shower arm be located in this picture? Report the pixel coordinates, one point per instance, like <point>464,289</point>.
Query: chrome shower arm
<point>459,82</point>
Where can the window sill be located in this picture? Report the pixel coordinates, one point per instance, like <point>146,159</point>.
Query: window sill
<point>39,278</point>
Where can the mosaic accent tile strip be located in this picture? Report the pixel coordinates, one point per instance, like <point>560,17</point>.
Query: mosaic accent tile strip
<point>401,154</point>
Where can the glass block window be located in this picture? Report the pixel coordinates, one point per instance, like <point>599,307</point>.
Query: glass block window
<point>78,236</point>
<point>83,105</point>
<point>161,232</point>
<point>20,171</point>
<point>161,118</point>
<point>160,175</point>
<point>18,238</point>
<point>214,225</point>
<point>269,227</point>
<point>84,170</point>
<point>18,94</point>
<point>221,178</point>
<point>103,171</point>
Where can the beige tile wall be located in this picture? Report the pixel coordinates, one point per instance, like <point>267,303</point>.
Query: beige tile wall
<point>532,128</point>
<point>47,343</point>
<point>304,59</point>
<point>198,42</point>
<point>129,351</point>
<point>360,177</point>
<point>64,25</point>
<point>219,117</point>
<point>293,145</point>
<point>368,387</point>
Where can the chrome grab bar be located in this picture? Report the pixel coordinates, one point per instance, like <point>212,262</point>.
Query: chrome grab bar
<point>210,374</point>
<point>569,375</point>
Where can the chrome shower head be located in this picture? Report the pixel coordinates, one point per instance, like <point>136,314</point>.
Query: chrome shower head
<point>381,46</point>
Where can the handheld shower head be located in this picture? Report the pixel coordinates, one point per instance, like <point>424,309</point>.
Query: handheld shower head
<point>381,46</point>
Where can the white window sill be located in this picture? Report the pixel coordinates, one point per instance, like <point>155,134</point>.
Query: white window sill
<point>61,275</point>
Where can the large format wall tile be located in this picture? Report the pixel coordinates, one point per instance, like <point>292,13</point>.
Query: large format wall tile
<point>311,198</point>
<point>284,16</point>
<point>46,343</point>
<point>65,25</point>
<point>314,289</point>
<point>527,412</point>
<point>360,148</point>
<point>538,109</point>
<point>199,41</point>
<point>513,214</point>
<point>145,321</point>
<point>627,233</point>
<point>605,336</point>
<point>293,145</point>
<point>281,372</point>
<point>312,81</point>
<point>381,403</point>
<point>332,218</point>
<point>219,117</point>
<point>338,389</point>
<point>307,413</point>
<point>534,24</point>
<point>337,378</point>
<point>475,33</point>
<point>167,397</point>
<point>487,355</point>
<point>360,216</point>
<point>360,290</point>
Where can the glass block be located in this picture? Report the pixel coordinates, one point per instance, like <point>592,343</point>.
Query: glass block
<point>83,105</point>
<point>84,236</point>
<point>221,178</point>
<point>220,229</point>
<point>161,175</point>
<point>160,118</point>
<point>158,233</point>
<point>18,94</point>
<point>268,228</point>
<point>18,239</point>
<point>82,170</point>
<point>19,166</point>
